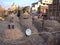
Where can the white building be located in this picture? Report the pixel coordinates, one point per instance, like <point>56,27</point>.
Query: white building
<point>40,3</point>
<point>35,7</point>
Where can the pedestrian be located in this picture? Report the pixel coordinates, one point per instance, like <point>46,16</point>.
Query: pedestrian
<point>11,21</point>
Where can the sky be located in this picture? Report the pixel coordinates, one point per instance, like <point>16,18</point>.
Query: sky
<point>8,3</point>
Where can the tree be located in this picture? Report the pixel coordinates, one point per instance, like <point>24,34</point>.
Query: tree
<point>1,9</point>
<point>27,9</point>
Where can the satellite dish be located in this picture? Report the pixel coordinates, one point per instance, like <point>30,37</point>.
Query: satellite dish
<point>28,32</point>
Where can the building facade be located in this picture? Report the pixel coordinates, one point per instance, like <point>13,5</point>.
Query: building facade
<point>13,7</point>
<point>53,9</point>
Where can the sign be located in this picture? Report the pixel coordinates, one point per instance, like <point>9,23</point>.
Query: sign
<point>28,32</point>
<point>47,1</point>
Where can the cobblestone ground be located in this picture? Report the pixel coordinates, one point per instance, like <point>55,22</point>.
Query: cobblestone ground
<point>44,38</point>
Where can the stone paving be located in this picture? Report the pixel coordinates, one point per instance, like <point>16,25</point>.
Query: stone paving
<point>44,38</point>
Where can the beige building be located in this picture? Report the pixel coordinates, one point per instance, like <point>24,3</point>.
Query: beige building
<point>47,1</point>
<point>13,7</point>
